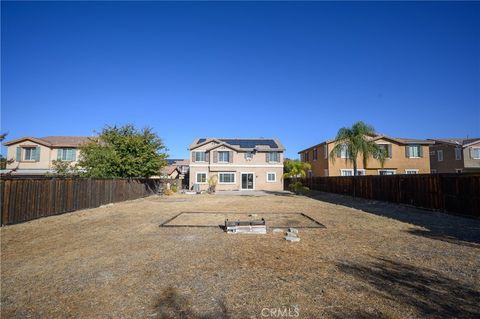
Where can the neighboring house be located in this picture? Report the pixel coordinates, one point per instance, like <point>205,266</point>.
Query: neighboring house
<point>32,155</point>
<point>170,172</point>
<point>405,156</point>
<point>182,165</point>
<point>238,164</point>
<point>455,155</point>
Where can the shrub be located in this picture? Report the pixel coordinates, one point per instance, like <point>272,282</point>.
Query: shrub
<point>298,188</point>
<point>174,188</point>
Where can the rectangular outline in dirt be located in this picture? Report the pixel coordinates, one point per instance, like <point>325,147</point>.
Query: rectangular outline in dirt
<point>165,223</point>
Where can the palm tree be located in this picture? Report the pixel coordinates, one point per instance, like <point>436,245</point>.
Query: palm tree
<point>357,141</point>
<point>295,169</point>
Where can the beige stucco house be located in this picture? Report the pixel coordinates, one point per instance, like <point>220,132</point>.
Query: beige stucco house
<point>33,155</point>
<point>405,156</point>
<point>237,164</point>
<point>455,155</point>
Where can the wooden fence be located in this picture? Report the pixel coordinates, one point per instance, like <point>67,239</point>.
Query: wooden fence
<point>456,193</point>
<point>27,198</point>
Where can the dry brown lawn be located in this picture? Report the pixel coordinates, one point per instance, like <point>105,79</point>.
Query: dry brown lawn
<point>372,260</point>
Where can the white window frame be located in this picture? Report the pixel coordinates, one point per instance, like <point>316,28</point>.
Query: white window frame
<point>439,158</point>
<point>64,151</point>
<point>315,154</point>
<point>346,170</point>
<point>228,155</point>
<point>204,156</point>
<point>325,171</point>
<point>325,151</point>
<point>248,156</point>
<point>270,157</point>
<point>206,177</point>
<point>387,170</point>
<point>414,170</point>
<point>254,181</point>
<point>362,170</point>
<point>274,174</point>
<point>230,173</point>
<point>458,154</point>
<point>473,152</point>
<point>410,147</point>
<point>344,149</point>
<point>386,148</point>
<point>32,151</point>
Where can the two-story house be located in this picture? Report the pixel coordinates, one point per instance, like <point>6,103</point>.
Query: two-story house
<point>455,155</point>
<point>404,156</point>
<point>32,155</point>
<point>237,164</point>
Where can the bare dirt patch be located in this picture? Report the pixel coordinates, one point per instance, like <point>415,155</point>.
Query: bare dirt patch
<point>372,260</point>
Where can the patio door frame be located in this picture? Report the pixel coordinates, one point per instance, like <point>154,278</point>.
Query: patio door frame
<point>241,181</point>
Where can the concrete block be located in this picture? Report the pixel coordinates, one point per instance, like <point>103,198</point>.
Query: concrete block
<point>291,238</point>
<point>293,230</point>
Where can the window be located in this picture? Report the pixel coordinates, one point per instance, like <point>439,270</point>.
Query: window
<point>325,151</point>
<point>346,172</point>
<point>275,157</point>
<point>29,153</point>
<point>226,178</point>
<point>248,156</point>
<point>66,154</point>
<point>360,172</point>
<point>310,173</point>
<point>476,152</point>
<point>315,154</point>
<point>325,172</point>
<point>439,155</point>
<point>458,170</point>
<point>387,148</point>
<point>344,151</point>
<point>201,178</point>
<point>223,157</point>
<point>200,157</point>
<point>458,153</point>
<point>433,171</point>
<point>414,151</point>
<point>307,156</point>
<point>386,172</point>
<point>411,171</point>
<point>271,177</point>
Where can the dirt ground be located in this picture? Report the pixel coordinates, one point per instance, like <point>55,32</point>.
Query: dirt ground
<point>372,260</point>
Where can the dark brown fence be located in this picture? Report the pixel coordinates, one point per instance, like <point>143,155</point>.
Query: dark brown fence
<point>27,198</point>
<point>456,193</point>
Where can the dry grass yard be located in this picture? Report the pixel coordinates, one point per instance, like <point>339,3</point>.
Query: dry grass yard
<point>373,260</point>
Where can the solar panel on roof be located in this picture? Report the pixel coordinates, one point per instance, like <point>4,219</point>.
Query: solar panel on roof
<point>245,143</point>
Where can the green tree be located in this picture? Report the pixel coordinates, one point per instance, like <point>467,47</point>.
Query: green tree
<point>3,160</point>
<point>295,169</point>
<point>357,142</point>
<point>64,168</point>
<point>123,152</point>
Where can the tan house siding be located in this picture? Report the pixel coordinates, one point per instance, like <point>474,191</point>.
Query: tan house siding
<point>398,162</point>
<point>450,164</point>
<point>237,165</point>
<point>471,164</point>
<point>48,153</point>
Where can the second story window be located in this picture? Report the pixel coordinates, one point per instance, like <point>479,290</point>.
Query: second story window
<point>344,151</point>
<point>315,154</point>
<point>275,157</point>
<point>66,154</point>
<point>475,152</point>
<point>223,157</point>
<point>248,156</point>
<point>439,155</point>
<point>29,153</point>
<point>458,153</point>
<point>413,151</point>
<point>307,156</point>
<point>200,157</point>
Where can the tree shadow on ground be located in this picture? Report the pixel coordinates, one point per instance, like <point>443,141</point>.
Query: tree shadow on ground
<point>173,305</point>
<point>427,292</point>
<point>439,226</point>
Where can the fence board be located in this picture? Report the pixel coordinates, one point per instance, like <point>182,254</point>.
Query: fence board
<point>27,198</point>
<point>456,193</point>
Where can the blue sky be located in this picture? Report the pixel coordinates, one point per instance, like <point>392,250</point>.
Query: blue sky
<point>296,71</point>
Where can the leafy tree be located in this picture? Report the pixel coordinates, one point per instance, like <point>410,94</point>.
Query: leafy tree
<point>3,160</point>
<point>356,141</point>
<point>123,152</point>
<point>64,168</point>
<point>295,169</point>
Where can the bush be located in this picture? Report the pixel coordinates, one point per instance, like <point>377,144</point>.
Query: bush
<point>174,188</point>
<point>168,192</point>
<point>298,188</point>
